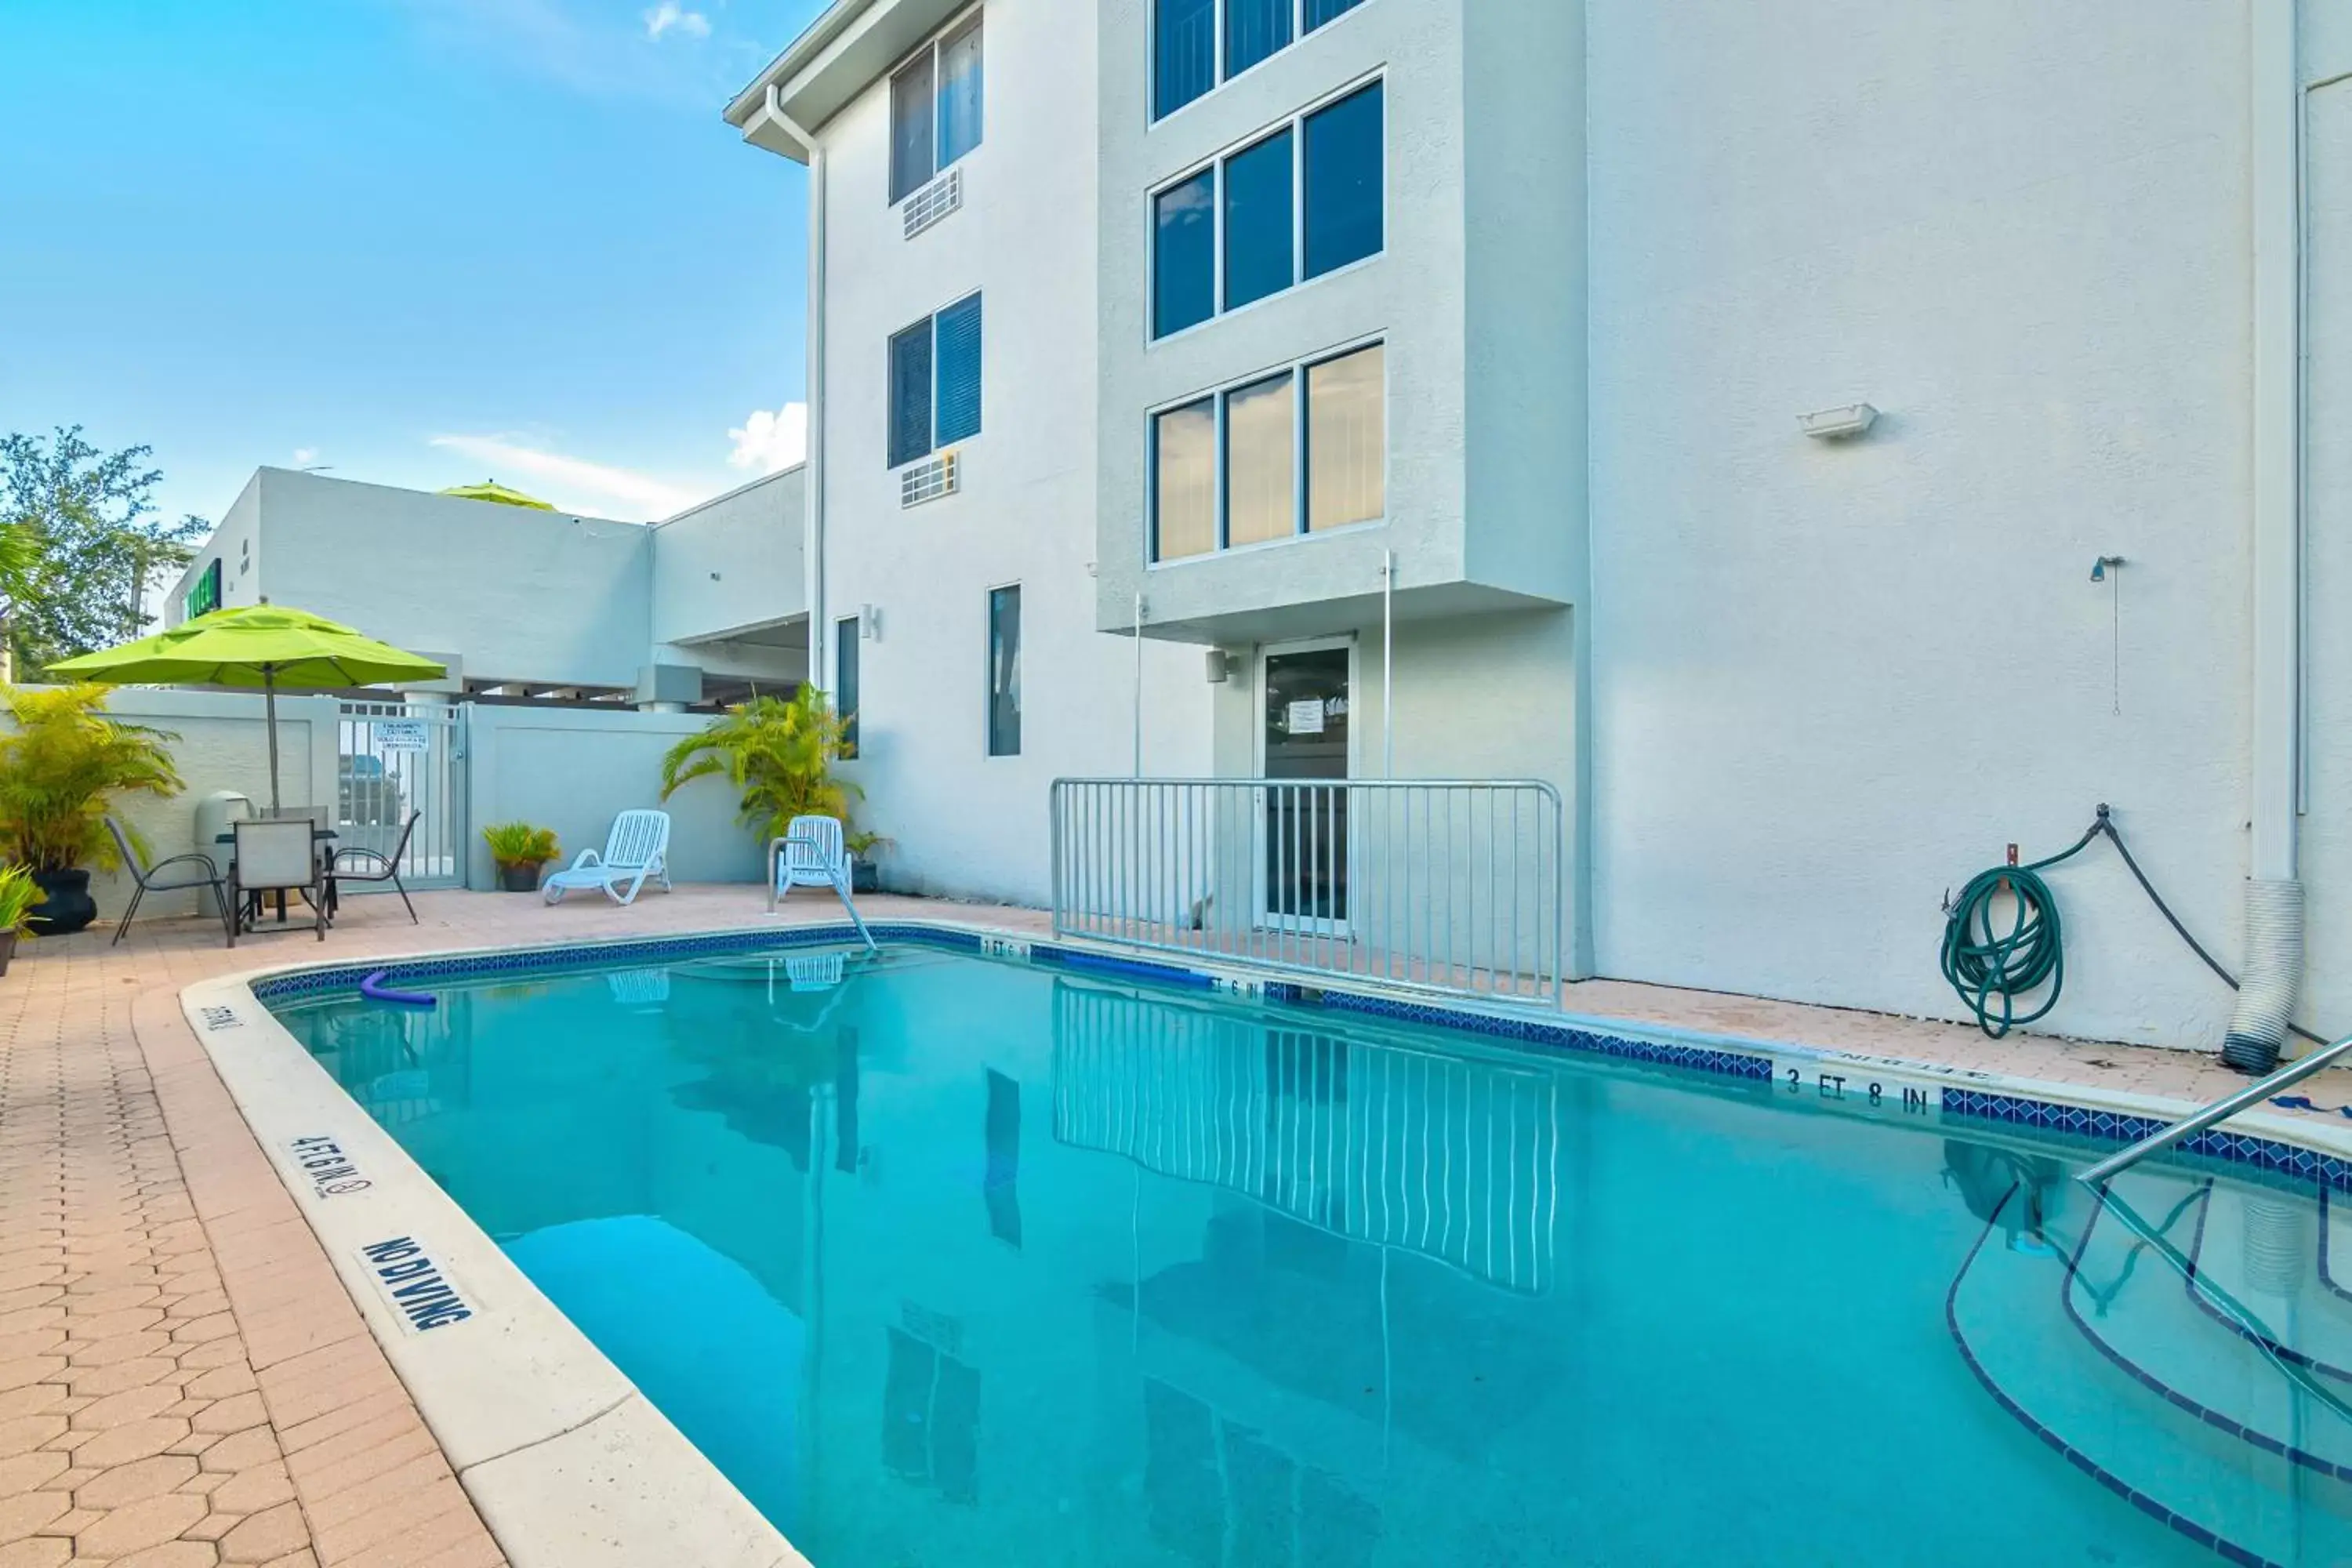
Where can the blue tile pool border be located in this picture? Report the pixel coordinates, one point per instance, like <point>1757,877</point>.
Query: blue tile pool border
<point>2049,1116</point>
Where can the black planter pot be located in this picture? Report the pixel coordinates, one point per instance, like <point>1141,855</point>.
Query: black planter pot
<point>8,949</point>
<point>68,906</point>
<point>865,876</point>
<point>519,878</point>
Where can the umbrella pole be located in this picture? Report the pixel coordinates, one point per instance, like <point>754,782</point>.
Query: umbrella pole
<point>269,705</point>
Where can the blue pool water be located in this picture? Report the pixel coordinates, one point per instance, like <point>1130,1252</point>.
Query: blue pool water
<point>950,1261</point>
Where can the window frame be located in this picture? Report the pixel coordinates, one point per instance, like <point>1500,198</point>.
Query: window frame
<point>1219,77</point>
<point>929,321</point>
<point>1300,370</point>
<point>932,49</point>
<point>988,669</point>
<point>1213,164</point>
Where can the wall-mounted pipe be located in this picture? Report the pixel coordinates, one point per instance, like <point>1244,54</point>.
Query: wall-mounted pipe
<point>2273,963</point>
<point>812,501</point>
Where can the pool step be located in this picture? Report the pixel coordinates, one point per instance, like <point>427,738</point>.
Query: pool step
<point>2012,1313</point>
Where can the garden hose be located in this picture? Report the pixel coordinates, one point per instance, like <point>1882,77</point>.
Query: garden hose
<point>1993,968</point>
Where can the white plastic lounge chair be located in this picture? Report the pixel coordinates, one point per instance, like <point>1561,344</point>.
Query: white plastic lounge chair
<point>813,853</point>
<point>637,849</point>
<point>816,853</point>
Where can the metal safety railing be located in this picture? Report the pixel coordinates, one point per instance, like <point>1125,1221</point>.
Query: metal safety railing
<point>1454,886</point>
<point>2219,1112</point>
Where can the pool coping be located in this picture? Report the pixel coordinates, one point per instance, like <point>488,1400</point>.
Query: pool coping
<point>568,1463</point>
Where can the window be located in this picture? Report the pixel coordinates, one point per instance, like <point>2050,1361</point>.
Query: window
<point>1346,439</point>
<point>1261,495</point>
<point>845,680</point>
<point>1316,180</point>
<point>1191,52</point>
<point>1184,483</point>
<point>1184,255</point>
<point>1004,672</point>
<point>935,388</point>
<point>1225,469</point>
<point>1183,53</point>
<point>1257,222</point>
<point>1342,216</point>
<point>935,109</point>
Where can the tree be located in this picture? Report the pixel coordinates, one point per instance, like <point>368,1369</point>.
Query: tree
<point>79,544</point>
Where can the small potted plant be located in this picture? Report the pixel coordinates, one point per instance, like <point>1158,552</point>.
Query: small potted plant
<point>18,894</point>
<point>521,852</point>
<point>866,846</point>
<point>61,768</point>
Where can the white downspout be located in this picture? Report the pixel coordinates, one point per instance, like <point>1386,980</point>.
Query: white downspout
<point>2274,960</point>
<point>819,630</point>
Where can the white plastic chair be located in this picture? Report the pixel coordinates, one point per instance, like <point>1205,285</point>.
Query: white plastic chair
<point>813,852</point>
<point>637,849</point>
<point>816,853</point>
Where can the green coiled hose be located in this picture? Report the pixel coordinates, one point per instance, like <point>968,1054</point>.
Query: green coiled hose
<point>1991,968</point>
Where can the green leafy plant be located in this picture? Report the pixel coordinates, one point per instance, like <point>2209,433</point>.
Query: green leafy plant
<point>520,843</point>
<point>63,767</point>
<point>779,753</point>
<point>18,894</point>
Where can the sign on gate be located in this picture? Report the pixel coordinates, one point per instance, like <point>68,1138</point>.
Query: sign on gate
<point>400,735</point>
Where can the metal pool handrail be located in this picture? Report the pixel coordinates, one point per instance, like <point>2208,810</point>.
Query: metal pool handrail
<point>840,880</point>
<point>2220,1110</point>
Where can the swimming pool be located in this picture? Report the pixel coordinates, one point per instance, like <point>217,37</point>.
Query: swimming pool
<point>943,1258</point>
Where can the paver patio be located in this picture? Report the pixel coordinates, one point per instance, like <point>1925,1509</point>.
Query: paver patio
<point>183,1381</point>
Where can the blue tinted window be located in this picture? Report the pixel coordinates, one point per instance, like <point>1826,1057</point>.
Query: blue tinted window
<point>958,370</point>
<point>1257,221</point>
<point>960,93</point>
<point>1343,220</point>
<point>1184,255</point>
<point>845,680</point>
<point>1183,53</point>
<point>1321,11</point>
<point>913,128</point>
<point>1254,29</point>
<point>910,393</point>
<point>1004,672</point>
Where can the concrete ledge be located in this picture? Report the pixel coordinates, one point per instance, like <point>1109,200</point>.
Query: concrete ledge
<point>566,1462</point>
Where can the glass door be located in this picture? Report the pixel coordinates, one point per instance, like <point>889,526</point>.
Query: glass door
<point>1303,866</point>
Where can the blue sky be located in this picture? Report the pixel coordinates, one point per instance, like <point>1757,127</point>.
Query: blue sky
<point>423,242</point>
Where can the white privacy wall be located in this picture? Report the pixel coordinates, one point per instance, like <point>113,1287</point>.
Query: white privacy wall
<point>1832,681</point>
<point>964,823</point>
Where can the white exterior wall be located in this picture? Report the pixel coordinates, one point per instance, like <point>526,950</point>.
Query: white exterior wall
<point>1833,681</point>
<point>963,823</point>
<point>734,565</point>
<point>514,593</point>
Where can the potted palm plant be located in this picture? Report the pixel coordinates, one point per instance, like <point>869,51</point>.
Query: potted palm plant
<point>521,852</point>
<point>778,752</point>
<point>60,769</point>
<point>18,894</point>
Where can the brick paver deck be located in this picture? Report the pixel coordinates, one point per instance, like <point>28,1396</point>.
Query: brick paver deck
<point>183,1381</point>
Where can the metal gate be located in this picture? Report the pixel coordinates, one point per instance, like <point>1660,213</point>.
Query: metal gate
<point>393,759</point>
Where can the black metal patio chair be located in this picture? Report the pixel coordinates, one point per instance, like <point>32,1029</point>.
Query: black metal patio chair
<point>174,874</point>
<point>375,865</point>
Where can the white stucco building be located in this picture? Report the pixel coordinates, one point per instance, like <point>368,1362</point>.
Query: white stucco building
<point>519,601</point>
<point>1218,320</point>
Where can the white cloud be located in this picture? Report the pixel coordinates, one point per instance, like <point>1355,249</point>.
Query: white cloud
<point>305,455</point>
<point>574,484</point>
<point>669,14</point>
<point>768,442</point>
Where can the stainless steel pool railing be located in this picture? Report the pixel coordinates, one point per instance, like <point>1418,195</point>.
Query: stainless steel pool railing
<point>2221,1111</point>
<point>1455,886</point>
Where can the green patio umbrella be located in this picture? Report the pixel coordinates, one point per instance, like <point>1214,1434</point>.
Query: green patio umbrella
<point>267,645</point>
<point>492,491</point>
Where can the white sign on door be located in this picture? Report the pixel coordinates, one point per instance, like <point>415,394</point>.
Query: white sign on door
<point>1307,716</point>
<point>400,735</point>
